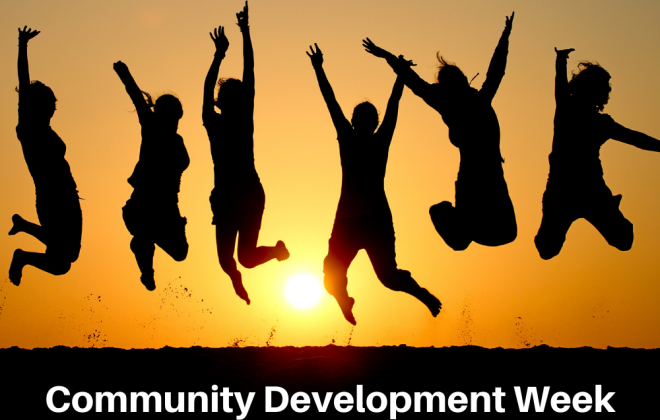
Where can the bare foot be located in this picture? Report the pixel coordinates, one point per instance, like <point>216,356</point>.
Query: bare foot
<point>148,282</point>
<point>347,309</point>
<point>17,220</point>
<point>282,252</point>
<point>239,289</point>
<point>430,301</point>
<point>16,267</point>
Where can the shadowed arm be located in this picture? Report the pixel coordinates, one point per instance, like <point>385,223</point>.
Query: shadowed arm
<point>392,111</point>
<point>133,90</point>
<point>338,119</point>
<point>24,35</point>
<point>561,78</point>
<point>403,69</point>
<point>497,65</point>
<point>221,45</point>
<point>248,55</point>
<point>635,138</point>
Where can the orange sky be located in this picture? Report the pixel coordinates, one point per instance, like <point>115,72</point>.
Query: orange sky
<point>591,294</point>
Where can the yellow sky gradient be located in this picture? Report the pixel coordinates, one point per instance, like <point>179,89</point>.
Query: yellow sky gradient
<point>589,295</point>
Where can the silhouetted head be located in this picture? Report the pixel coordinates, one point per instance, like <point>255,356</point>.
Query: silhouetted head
<point>365,118</point>
<point>169,107</point>
<point>39,100</point>
<point>590,86</point>
<point>451,80</point>
<point>230,94</point>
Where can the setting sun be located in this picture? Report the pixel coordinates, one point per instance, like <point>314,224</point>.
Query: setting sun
<point>303,291</point>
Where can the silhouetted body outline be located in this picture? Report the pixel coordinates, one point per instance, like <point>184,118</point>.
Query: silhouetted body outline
<point>483,212</point>
<point>364,219</point>
<point>576,188</point>
<point>152,214</point>
<point>57,201</point>
<point>238,198</point>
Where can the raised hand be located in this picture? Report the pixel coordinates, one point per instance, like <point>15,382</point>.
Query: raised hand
<point>564,53</point>
<point>26,34</point>
<point>371,48</point>
<point>509,22</point>
<point>243,17</point>
<point>403,62</point>
<point>219,39</point>
<point>120,67</point>
<point>315,56</point>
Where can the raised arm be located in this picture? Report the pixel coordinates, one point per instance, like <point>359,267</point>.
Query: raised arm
<point>498,62</point>
<point>338,119</point>
<point>392,111</point>
<point>221,45</point>
<point>248,53</point>
<point>403,69</point>
<point>561,78</point>
<point>24,35</point>
<point>635,138</point>
<point>133,90</point>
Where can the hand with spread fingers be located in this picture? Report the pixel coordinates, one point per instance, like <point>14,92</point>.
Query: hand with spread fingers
<point>315,56</point>
<point>26,34</point>
<point>220,40</point>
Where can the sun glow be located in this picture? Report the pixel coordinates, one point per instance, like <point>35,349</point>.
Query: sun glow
<point>303,291</point>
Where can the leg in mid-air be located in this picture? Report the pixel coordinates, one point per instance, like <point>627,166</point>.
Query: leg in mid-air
<point>144,248</point>
<point>612,224</point>
<point>380,246</point>
<point>250,213</point>
<point>226,231</point>
<point>557,219</point>
<point>342,249</point>
<point>491,215</point>
<point>172,237</point>
<point>22,225</point>
<point>449,225</point>
<point>48,262</point>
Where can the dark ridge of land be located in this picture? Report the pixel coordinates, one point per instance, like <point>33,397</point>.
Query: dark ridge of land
<point>632,374</point>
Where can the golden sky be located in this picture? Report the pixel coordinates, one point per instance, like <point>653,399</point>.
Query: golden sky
<point>589,295</point>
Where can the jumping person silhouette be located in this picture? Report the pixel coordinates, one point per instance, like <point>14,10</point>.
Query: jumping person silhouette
<point>576,188</point>
<point>363,219</point>
<point>152,212</point>
<point>58,205</point>
<point>483,212</point>
<point>238,199</point>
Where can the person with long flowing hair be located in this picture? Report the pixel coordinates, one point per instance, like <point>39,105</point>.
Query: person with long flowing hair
<point>483,211</point>
<point>238,198</point>
<point>152,212</point>
<point>363,219</point>
<point>576,188</point>
<point>57,201</point>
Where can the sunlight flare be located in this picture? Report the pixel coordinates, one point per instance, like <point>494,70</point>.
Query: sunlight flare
<point>303,291</point>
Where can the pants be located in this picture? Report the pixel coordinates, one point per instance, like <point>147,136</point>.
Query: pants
<point>373,232</point>
<point>563,205</point>
<point>154,222</point>
<point>60,218</point>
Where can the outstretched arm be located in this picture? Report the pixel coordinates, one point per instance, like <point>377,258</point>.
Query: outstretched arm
<point>248,53</point>
<point>498,62</point>
<point>132,89</point>
<point>402,68</point>
<point>221,45</point>
<point>561,79</point>
<point>392,111</point>
<point>338,119</point>
<point>635,138</point>
<point>24,35</point>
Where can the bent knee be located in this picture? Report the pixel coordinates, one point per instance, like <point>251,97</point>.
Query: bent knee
<point>60,267</point>
<point>180,254</point>
<point>624,241</point>
<point>547,249</point>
